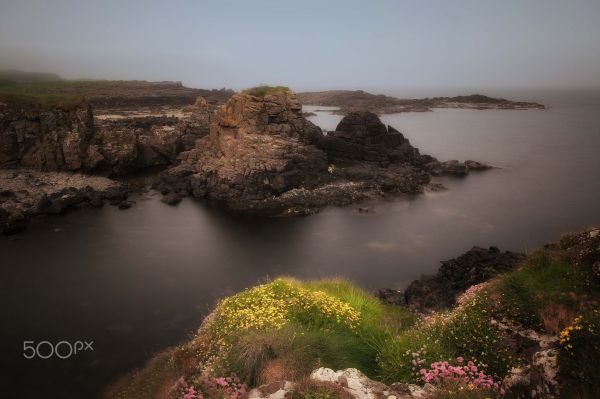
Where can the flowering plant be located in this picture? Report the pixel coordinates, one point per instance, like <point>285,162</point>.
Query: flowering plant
<point>213,388</point>
<point>462,373</point>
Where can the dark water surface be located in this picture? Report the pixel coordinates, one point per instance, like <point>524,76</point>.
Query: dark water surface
<point>139,280</point>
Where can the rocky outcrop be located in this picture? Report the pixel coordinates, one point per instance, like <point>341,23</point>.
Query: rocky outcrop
<point>262,155</point>
<point>361,137</point>
<point>27,193</point>
<point>454,277</point>
<point>36,136</point>
<point>258,149</point>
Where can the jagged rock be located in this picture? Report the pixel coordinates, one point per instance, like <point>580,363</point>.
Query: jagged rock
<point>361,136</point>
<point>196,126</point>
<point>28,193</point>
<point>454,277</point>
<point>45,138</point>
<point>257,149</point>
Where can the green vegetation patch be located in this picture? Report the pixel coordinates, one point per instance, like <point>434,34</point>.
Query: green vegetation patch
<point>293,327</point>
<point>547,292</point>
<point>465,333</point>
<point>261,91</point>
<point>38,95</point>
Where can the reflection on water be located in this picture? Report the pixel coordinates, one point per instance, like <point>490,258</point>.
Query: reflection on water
<point>136,281</point>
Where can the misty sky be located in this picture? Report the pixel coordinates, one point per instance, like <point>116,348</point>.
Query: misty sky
<point>309,44</point>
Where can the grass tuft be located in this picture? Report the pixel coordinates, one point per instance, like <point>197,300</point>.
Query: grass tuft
<point>261,91</point>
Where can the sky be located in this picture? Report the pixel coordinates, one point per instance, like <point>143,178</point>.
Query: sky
<point>309,44</point>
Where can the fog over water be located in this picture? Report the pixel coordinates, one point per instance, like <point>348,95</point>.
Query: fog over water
<point>139,280</point>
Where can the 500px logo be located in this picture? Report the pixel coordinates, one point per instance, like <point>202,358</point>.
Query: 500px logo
<point>62,349</point>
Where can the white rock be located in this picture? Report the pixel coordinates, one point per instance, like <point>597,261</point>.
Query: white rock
<point>278,395</point>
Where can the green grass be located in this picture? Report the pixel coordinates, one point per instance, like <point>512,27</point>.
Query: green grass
<point>43,101</point>
<point>546,292</point>
<point>464,331</point>
<point>300,326</point>
<point>310,389</point>
<point>261,91</point>
<point>38,94</point>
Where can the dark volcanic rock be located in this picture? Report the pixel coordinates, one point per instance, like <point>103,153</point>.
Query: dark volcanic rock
<point>361,136</point>
<point>454,277</point>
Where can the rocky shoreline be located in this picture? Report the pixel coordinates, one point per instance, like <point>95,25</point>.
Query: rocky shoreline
<point>25,194</point>
<point>349,101</point>
<point>254,152</point>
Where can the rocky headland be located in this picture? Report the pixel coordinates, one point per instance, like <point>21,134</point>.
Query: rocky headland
<point>348,101</point>
<point>262,155</point>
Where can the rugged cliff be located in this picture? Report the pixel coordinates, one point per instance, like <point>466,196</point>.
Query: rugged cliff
<point>45,137</point>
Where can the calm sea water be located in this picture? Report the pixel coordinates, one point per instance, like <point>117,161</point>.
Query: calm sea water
<point>137,281</point>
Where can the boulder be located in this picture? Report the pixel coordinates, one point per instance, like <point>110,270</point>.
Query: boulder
<point>360,136</point>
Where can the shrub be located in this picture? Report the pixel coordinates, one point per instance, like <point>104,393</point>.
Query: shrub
<point>462,391</point>
<point>464,331</point>
<point>292,353</point>
<point>206,387</point>
<point>298,326</point>
<point>578,356</point>
<point>462,373</point>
